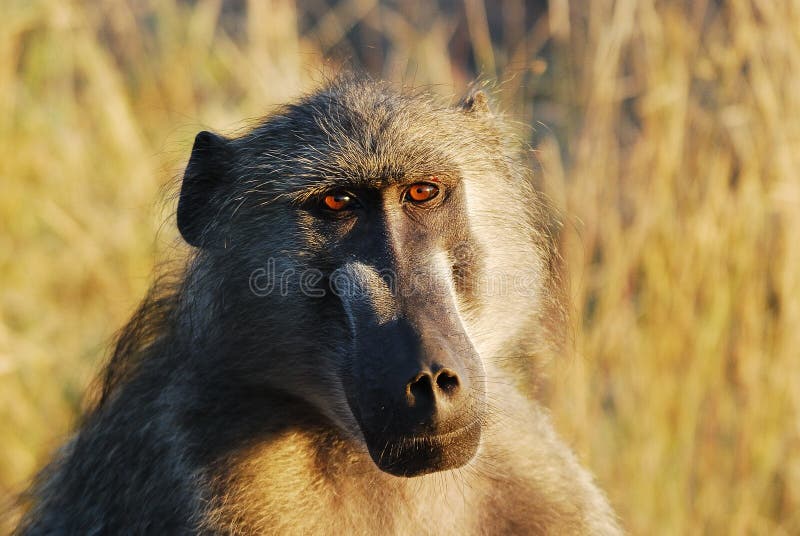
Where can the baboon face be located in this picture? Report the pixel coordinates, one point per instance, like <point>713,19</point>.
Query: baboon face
<point>412,379</point>
<point>367,191</point>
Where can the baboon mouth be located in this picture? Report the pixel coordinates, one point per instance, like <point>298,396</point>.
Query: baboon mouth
<point>418,455</point>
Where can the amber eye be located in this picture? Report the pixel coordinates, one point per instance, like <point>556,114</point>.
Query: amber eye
<point>339,201</point>
<point>421,192</point>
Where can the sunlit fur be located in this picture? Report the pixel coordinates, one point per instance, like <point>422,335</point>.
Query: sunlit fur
<point>224,412</point>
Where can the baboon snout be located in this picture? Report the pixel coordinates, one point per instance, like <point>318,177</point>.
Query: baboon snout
<point>415,380</point>
<point>417,398</point>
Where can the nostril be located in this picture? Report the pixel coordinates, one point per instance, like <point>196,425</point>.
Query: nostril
<point>420,390</point>
<point>447,381</point>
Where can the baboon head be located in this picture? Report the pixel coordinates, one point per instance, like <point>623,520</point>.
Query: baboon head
<point>355,231</point>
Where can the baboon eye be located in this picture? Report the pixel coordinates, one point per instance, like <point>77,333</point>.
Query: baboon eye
<point>421,192</point>
<point>338,201</point>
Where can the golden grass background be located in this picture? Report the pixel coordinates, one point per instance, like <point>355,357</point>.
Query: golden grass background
<point>668,133</point>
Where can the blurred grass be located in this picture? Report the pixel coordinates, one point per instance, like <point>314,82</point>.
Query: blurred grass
<point>667,132</point>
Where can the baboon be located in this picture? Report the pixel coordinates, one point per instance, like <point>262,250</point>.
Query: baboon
<point>351,347</point>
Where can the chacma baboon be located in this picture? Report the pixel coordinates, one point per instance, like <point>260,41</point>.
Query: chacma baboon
<point>349,348</point>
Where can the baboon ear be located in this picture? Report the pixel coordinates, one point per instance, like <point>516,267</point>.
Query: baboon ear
<point>205,174</point>
<point>475,103</point>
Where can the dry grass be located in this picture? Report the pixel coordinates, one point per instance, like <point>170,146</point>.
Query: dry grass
<point>669,135</point>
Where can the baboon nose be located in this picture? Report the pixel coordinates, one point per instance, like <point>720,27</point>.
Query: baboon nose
<point>426,389</point>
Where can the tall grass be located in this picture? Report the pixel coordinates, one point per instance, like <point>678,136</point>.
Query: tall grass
<point>668,134</point>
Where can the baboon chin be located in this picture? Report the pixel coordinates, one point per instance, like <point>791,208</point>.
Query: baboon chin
<point>372,289</point>
<point>415,456</point>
